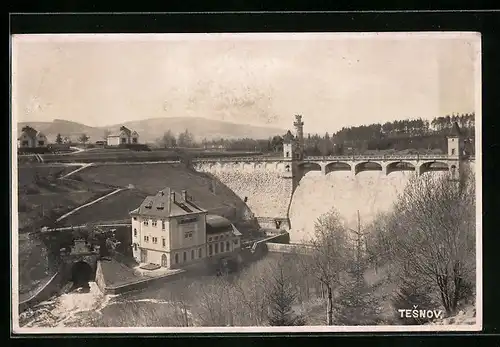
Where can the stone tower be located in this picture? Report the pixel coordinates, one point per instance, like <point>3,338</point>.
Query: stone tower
<point>288,146</point>
<point>299,130</point>
<point>455,150</point>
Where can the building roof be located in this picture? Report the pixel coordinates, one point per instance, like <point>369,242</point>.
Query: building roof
<point>218,224</point>
<point>167,203</point>
<point>30,132</point>
<point>455,130</point>
<point>126,130</point>
<point>288,137</point>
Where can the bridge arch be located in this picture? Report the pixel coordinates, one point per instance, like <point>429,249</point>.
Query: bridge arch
<point>337,166</point>
<point>367,166</point>
<point>308,166</point>
<point>81,273</point>
<point>432,166</point>
<point>399,166</point>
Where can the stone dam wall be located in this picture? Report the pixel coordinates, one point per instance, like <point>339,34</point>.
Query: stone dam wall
<point>269,194</point>
<point>262,185</point>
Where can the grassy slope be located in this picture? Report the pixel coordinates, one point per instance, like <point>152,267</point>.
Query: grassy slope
<point>152,178</point>
<point>114,208</point>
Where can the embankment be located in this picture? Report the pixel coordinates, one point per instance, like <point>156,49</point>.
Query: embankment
<point>207,191</point>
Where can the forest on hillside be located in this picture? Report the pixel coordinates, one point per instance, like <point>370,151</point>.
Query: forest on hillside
<point>410,135</point>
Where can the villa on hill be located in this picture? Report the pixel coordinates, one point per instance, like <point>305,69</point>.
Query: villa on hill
<point>124,137</point>
<point>171,230</point>
<point>31,138</point>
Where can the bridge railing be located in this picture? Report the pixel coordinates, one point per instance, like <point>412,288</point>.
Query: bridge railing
<point>330,158</point>
<point>378,157</point>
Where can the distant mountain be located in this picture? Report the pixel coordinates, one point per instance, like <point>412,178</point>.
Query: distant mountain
<point>151,129</point>
<point>70,129</point>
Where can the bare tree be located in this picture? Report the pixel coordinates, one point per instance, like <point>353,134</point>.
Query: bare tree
<point>167,140</point>
<point>83,139</point>
<point>328,255</point>
<point>433,234</point>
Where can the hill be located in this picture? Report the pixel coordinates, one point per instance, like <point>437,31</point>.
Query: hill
<point>151,129</point>
<point>66,128</point>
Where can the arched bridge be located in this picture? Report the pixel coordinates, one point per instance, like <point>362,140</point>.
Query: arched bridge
<point>418,163</point>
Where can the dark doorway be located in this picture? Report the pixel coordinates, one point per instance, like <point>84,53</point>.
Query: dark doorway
<point>81,275</point>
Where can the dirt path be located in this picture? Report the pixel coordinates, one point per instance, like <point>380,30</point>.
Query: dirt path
<point>89,203</point>
<point>84,166</point>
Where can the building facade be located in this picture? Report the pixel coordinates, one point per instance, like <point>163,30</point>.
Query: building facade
<point>124,137</point>
<point>171,230</point>
<point>31,138</point>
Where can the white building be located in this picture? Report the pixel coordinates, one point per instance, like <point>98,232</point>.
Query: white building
<point>170,230</point>
<point>30,138</point>
<point>124,137</point>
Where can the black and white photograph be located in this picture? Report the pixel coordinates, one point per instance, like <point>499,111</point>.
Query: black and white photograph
<point>246,182</point>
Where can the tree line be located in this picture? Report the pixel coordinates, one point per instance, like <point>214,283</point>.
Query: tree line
<point>410,134</point>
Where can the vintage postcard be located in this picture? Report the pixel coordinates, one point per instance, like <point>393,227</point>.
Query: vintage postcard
<point>289,182</point>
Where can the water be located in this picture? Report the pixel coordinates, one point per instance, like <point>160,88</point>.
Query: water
<point>140,308</point>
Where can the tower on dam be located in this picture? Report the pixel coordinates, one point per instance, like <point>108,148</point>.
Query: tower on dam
<point>456,150</point>
<point>299,131</point>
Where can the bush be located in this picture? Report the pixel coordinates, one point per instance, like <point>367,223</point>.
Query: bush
<point>409,295</point>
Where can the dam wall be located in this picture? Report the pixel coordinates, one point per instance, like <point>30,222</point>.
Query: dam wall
<point>263,186</point>
<point>369,192</point>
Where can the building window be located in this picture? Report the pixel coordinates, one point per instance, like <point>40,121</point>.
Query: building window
<point>222,247</point>
<point>146,238</point>
<point>25,143</point>
<point>155,240</point>
<point>135,246</point>
<point>216,238</point>
<point>188,234</point>
<point>287,154</point>
<point>146,222</point>
<point>162,225</point>
<point>216,248</point>
<point>209,249</point>
<point>192,254</point>
<point>41,143</point>
<point>227,246</point>
<point>199,252</point>
<point>153,222</point>
<point>176,258</point>
<point>235,242</point>
<point>134,140</point>
<point>135,218</point>
<point>453,151</point>
<point>184,256</point>
<point>135,232</point>
<point>188,220</point>
<point>124,140</point>
<point>209,239</point>
<point>163,242</point>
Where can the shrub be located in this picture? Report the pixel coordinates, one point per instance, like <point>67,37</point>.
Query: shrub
<point>411,294</point>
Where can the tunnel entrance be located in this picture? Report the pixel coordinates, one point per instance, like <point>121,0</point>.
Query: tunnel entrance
<point>81,275</point>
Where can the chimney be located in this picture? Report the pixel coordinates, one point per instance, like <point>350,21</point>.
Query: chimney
<point>172,196</point>
<point>184,195</point>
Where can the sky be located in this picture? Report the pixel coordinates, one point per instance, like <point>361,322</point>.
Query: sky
<point>332,80</point>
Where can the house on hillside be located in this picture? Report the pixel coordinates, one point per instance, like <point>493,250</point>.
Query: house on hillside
<point>124,137</point>
<point>31,138</point>
<point>171,230</point>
